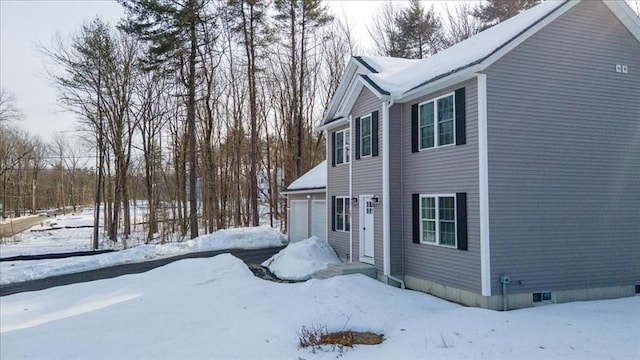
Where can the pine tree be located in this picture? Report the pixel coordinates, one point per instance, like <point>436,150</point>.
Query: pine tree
<point>420,31</point>
<point>496,11</point>
<point>170,26</point>
<point>414,32</point>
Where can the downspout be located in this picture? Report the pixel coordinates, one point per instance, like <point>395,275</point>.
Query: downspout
<point>350,192</point>
<point>386,206</point>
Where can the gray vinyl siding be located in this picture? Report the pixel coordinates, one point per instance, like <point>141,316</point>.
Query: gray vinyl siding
<point>337,185</point>
<point>444,170</point>
<point>395,188</point>
<point>564,156</point>
<point>367,177</point>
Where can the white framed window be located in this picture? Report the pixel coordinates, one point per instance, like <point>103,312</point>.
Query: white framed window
<point>436,122</point>
<point>343,213</point>
<point>365,136</point>
<point>342,146</point>
<point>438,220</point>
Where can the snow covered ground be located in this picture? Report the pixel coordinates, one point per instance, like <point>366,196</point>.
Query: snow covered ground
<point>298,261</point>
<point>217,309</point>
<point>63,240</point>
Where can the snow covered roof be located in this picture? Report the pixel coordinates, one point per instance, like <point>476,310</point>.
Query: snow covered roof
<point>404,79</point>
<point>314,179</point>
<point>399,79</point>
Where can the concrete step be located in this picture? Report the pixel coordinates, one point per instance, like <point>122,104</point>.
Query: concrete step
<point>346,269</point>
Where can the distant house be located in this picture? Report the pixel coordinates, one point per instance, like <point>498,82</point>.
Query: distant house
<point>509,162</point>
<point>306,197</point>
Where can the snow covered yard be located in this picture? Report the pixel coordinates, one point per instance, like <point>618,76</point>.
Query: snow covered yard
<point>217,309</point>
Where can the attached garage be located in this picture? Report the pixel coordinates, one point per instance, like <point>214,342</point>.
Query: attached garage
<point>307,205</point>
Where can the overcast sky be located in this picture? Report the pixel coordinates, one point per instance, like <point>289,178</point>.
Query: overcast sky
<point>24,24</point>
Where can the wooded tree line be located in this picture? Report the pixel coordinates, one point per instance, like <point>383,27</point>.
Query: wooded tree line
<point>205,109</point>
<point>416,32</point>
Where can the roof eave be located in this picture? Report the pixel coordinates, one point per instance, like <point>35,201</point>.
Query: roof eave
<point>338,122</point>
<point>315,190</point>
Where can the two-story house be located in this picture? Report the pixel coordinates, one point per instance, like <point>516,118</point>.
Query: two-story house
<point>508,164</point>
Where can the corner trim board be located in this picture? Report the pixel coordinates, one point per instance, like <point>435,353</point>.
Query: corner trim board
<point>485,258</point>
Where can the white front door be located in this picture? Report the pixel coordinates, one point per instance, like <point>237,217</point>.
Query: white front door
<point>298,220</point>
<point>366,229</point>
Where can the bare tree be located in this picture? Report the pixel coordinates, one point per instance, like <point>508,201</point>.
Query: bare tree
<point>460,22</point>
<point>8,110</point>
<point>384,30</point>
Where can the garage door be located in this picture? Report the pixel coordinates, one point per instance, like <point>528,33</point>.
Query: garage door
<point>298,220</point>
<point>319,219</point>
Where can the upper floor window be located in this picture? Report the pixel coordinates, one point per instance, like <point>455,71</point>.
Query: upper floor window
<point>342,146</point>
<point>437,122</point>
<point>365,136</point>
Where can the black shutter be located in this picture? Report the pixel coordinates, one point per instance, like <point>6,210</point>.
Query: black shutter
<point>333,213</point>
<point>414,128</point>
<point>357,142</point>
<point>461,214</point>
<point>460,117</point>
<point>333,149</point>
<point>415,202</point>
<point>374,134</point>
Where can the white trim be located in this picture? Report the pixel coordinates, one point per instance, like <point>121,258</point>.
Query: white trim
<point>437,198</point>
<point>352,134</point>
<point>451,80</point>
<point>625,14</point>
<point>386,206</point>
<point>305,191</point>
<point>334,124</point>
<point>485,248</point>
<point>327,224</point>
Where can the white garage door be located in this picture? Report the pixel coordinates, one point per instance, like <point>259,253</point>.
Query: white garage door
<point>319,219</point>
<point>298,220</point>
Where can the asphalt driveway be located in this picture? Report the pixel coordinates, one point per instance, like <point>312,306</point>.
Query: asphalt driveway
<point>252,256</point>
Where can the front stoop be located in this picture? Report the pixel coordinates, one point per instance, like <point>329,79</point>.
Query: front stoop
<point>346,269</point>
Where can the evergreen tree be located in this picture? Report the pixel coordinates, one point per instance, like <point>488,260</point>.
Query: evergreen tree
<point>496,11</point>
<point>414,32</point>
<point>420,31</point>
<point>170,27</point>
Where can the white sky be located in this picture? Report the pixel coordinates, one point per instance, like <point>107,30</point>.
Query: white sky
<point>26,23</point>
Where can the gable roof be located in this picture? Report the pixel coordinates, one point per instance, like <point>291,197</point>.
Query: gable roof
<point>314,179</point>
<point>400,79</point>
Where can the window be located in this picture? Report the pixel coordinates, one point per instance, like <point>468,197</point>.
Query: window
<point>365,136</point>
<point>436,122</point>
<point>342,214</point>
<point>542,297</point>
<point>342,142</point>
<point>438,220</point>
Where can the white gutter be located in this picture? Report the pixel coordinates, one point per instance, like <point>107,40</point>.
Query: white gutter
<point>351,135</point>
<point>326,197</point>
<point>386,206</point>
